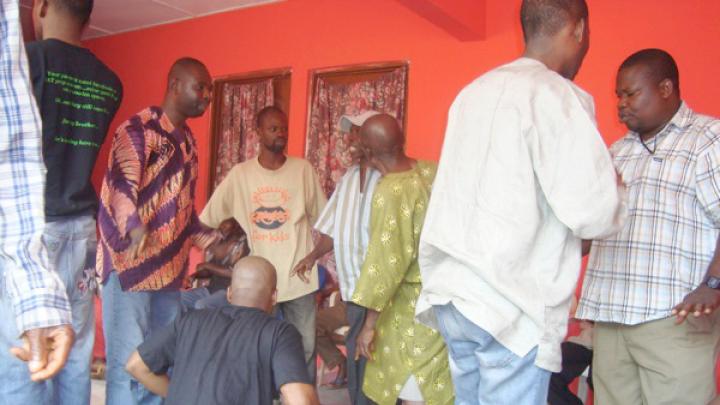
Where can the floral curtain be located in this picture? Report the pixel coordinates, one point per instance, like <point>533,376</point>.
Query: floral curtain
<point>236,138</point>
<point>326,148</point>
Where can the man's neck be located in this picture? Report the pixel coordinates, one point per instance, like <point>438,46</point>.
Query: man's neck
<point>648,135</point>
<point>541,50</point>
<point>401,163</point>
<point>271,160</point>
<point>246,302</point>
<point>63,32</point>
<point>177,118</point>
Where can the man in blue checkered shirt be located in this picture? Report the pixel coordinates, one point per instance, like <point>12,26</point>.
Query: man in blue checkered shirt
<point>34,310</point>
<point>664,261</point>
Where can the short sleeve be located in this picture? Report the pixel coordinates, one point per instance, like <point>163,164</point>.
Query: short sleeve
<point>219,206</point>
<point>288,359</point>
<point>326,221</point>
<point>707,178</point>
<point>316,200</point>
<point>158,350</point>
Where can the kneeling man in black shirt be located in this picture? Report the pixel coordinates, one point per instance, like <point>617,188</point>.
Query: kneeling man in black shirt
<point>232,355</point>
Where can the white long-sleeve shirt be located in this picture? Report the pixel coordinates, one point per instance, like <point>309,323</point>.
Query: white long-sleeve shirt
<point>524,175</point>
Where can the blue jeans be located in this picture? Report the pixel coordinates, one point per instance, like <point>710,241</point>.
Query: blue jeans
<point>301,313</point>
<point>128,318</point>
<point>71,245</point>
<point>483,370</point>
<point>200,298</point>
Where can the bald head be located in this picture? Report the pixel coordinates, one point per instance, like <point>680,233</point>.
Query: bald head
<point>184,67</point>
<point>382,134</point>
<point>253,283</point>
<point>189,89</point>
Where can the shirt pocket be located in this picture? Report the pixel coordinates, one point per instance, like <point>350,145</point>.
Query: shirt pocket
<point>666,182</point>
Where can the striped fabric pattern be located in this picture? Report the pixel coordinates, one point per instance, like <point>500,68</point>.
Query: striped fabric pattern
<point>663,251</point>
<point>346,219</point>
<point>37,294</point>
<point>150,180</point>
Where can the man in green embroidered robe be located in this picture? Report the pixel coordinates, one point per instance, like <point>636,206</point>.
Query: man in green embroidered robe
<point>407,360</point>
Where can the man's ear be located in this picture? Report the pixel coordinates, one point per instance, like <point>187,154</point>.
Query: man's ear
<point>42,7</point>
<point>229,294</point>
<point>667,88</point>
<point>579,32</point>
<point>173,84</point>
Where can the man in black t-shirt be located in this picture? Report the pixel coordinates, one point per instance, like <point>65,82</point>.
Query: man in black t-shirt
<point>232,355</point>
<point>77,96</point>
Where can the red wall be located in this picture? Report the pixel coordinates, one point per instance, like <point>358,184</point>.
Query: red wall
<point>307,34</point>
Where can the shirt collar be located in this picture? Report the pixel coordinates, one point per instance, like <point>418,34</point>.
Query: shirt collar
<point>165,122</point>
<point>680,121</point>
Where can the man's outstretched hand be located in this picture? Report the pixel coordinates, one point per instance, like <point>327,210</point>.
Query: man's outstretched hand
<point>45,350</point>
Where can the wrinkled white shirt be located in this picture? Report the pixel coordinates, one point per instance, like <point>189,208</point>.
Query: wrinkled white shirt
<point>524,175</point>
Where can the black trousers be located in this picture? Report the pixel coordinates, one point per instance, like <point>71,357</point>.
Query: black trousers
<point>355,369</point>
<point>575,359</point>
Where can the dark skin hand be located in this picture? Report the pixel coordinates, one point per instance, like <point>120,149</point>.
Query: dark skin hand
<point>365,344</point>
<point>138,238</point>
<point>703,300</point>
<point>305,265</point>
<point>45,350</point>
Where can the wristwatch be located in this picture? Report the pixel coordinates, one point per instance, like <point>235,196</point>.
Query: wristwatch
<point>713,282</point>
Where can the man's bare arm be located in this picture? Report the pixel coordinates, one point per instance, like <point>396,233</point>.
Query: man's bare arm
<point>299,394</point>
<point>157,384</point>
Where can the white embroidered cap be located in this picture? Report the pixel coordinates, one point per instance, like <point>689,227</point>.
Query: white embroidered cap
<point>347,121</point>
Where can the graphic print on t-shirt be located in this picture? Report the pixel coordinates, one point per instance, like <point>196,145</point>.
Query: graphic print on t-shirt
<point>270,214</point>
<point>82,95</point>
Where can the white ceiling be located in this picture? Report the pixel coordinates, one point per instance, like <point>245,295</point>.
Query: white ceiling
<point>115,16</point>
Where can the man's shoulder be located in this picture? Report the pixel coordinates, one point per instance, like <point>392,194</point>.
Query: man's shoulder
<point>245,165</point>
<point>622,142</point>
<point>260,322</point>
<point>523,80</point>
<point>227,315</point>
<point>298,163</point>
<point>75,55</point>
<point>300,167</point>
<point>706,125</point>
<point>139,121</point>
<point>34,47</point>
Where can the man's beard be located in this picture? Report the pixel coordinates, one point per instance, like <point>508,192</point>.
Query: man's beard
<point>277,147</point>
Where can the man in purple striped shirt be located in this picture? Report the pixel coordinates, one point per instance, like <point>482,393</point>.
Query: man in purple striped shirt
<point>147,222</point>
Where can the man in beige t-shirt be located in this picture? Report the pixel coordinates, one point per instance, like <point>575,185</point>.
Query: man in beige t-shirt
<point>276,199</point>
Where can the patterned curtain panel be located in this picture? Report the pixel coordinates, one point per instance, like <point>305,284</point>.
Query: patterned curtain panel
<point>236,138</point>
<point>326,149</point>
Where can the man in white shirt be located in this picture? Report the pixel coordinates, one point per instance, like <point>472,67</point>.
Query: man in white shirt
<point>523,177</point>
<point>344,227</point>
